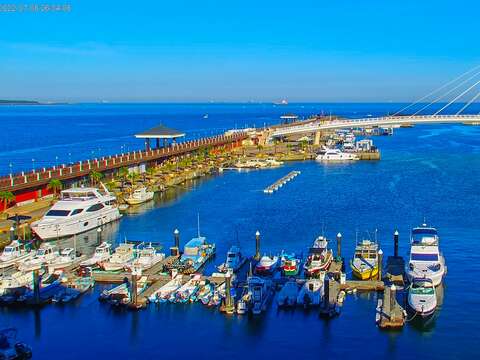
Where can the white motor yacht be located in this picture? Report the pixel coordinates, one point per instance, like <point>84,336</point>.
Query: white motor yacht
<point>47,254</point>
<point>146,257</point>
<point>77,211</point>
<point>139,196</point>
<point>234,260</point>
<point>68,256</point>
<point>311,293</point>
<point>13,254</point>
<point>102,253</point>
<point>425,258</point>
<point>122,257</point>
<point>335,155</point>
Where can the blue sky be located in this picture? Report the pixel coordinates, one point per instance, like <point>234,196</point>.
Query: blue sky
<point>264,50</point>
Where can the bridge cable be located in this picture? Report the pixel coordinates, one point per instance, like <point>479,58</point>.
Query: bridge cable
<point>437,90</point>
<point>459,96</point>
<point>447,93</point>
<point>468,104</point>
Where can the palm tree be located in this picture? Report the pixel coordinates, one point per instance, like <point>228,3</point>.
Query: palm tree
<point>133,177</point>
<point>7,197</point>
<point>55,185</point>
<point>95,177</point>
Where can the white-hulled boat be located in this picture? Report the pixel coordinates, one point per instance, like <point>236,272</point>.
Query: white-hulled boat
<point>267,264</point>
<point>336,155</point>
<point>311,293</point>
<point>164,293</point>
<point>14,285</point>
<point>259,292</point>
<point>102,253</point>
<point>13,254</point>
<point>67,257</point>
<point>422,297</point>
<point>146,257</point>
<point>288,295</point>
<point>77,211</point>
<point>122,256</point>
<point>47,254</point>
<point>319,257</point>
<point>234,260</point>
<point>425,259</point>
<point>139,196</point>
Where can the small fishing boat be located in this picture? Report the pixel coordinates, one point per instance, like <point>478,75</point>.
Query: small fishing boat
<point>234,261</point>
<point>267,265</point>
<point>139,196</point>
<point>67,257</point>
<point>146,257</point>
<point>164,293</point>
<point>102,253</point>
<point>10,348</point>
<point>365,260</point>
<point>290,264</point>
<point>47,254</point>
<point>422,298</point>
<point>73,289</point>
<point>311,293</point>
<point>13,254</point>
<point>288,295</point>
<point>48,287</point>
<point>319,257</point>
<point>218,295</point>
<point>206,293</point>
<point>183,294</point>
<point>425,258</point>
<point>259,293</point>
<point>120,295</point>
<point>122,256</point>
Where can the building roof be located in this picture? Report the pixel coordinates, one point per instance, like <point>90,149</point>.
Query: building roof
<point>160,132</point>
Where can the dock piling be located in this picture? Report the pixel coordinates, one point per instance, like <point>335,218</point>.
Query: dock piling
<point>12,233</point>
<point>36,286</point>
<point>99,235</point>
<point>380,264</point>
<point>339,245</point>
<point>257,245</point>
<point>229,307</point>
<point>395,243</point>
<point>175,250</point>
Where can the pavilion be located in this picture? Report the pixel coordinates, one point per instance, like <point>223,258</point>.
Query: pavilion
<point>159,132</point>
<point>288,118</point>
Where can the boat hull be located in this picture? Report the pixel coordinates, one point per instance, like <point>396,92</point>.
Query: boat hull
<point>365,275</point>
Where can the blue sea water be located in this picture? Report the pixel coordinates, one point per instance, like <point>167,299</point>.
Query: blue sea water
<point>427,171</point>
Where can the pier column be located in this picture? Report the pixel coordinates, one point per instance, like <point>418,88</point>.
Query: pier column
<point>318,135</point>
<point>147,144</point>
<point>133,290</point>
<point>99,236</point>
<point>36,286</point>
<point>339,245</point>
<point>380,264</point>
<point>395,243</point>
<point>229,308</point>
<point>12,233</point>
<point>175,250</point>
<point>158,143</point>
<point>257,245</point>
<point>393,299</point>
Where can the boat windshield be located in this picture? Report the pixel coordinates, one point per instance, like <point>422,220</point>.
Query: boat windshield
<point>100,251</point>
<point>8,249</point>
<point>57,213</point>
<point>78,195</point>
<point>41,252</point>
<point>421,290</point>
<point>231,255</point>
<point>424,257</point>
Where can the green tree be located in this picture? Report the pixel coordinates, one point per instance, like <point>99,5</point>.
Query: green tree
<point>95,177</point>
<point>55,185</point>
<point>133,177</point>
<point>7,197</point>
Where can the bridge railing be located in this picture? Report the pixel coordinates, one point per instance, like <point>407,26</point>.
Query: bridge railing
<point>106,163</point>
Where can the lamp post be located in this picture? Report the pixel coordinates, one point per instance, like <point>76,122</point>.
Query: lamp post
<point>70,158</point>
<point>33,165</point>
<point>11,172</point>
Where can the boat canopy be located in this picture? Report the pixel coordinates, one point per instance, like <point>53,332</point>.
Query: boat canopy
<point>424,231</point>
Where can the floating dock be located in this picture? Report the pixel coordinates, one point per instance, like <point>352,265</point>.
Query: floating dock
<point>282,181</point>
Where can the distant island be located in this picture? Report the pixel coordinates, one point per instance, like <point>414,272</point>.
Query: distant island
<point>18,102</point>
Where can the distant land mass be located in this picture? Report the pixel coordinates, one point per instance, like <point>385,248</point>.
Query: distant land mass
<point>19,102</point>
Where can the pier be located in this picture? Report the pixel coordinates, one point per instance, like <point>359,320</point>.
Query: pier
<point>280,182</point>
<point>30,185</point>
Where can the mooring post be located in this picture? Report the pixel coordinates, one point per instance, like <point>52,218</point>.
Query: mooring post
<point>133,298</point>
<point>175,250</point>
<point>392,301</point>
<point>395,243</point>
<point>228,300</point>
<point>380,264</point>
<point>257,245</point>
<point>339,245</point>
<point>326,293</point>
<point>12,233</point>
<point>36,286</point>
<point>99,235</point>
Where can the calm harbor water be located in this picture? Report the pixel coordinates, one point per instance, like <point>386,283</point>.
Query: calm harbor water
<point>427,171</point>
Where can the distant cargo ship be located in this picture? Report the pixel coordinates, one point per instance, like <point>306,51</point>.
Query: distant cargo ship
<point>282,102</point>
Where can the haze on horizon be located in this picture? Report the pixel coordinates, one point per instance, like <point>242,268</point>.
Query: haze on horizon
<point>191,51</point>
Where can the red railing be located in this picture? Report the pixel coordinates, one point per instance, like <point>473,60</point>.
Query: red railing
<point>38,177</point>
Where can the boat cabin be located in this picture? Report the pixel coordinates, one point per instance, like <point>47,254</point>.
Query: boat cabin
<point>425,236</point>
<point>366,250</point>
